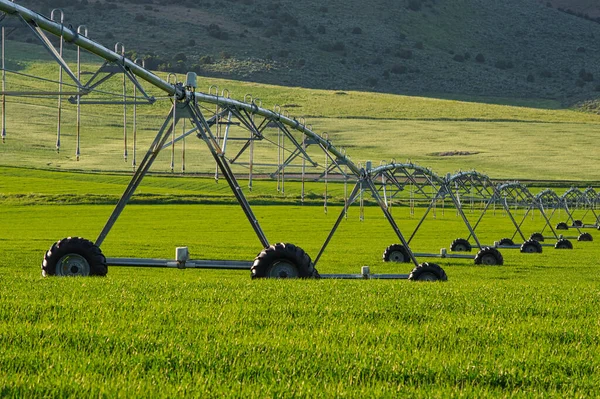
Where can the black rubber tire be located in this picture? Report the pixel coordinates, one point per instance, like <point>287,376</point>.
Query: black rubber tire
<point>585,237</point>
<point>292,260</point>
<point>396,253</point>
<point>489,256</point>
<point>563,243</point>
<point>531,247</point>
<point>577,223</point>
<point>506,241</point>
<point>537,237</point>
<point>562,226</point>
<point>83,251</point>
<point>460,245</point>
<point>428,272</point>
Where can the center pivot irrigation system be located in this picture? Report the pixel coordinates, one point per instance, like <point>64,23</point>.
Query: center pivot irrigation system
<point>228,121</point>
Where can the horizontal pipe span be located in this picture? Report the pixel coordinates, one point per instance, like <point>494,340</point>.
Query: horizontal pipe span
<point>365,276</point>
<point>95,48</point>
<point>190,264</point>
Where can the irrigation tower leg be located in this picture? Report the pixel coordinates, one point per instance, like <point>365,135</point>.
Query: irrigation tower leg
<point>390,218</point>
<point>155,147</point>
<point>205,133</point>
<point>347,204</point>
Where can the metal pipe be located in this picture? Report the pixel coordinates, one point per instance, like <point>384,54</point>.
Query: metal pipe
<point>172,90</point>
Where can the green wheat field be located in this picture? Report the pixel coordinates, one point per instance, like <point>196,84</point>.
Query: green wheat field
<point>529,328</point>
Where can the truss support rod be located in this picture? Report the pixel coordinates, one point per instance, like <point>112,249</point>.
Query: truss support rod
<point>485,209</point>
<point>48,45</point>
<point>3,87</point>
<point>390,219</point>
<point>347,204</point>
<point>141,171</point>
<point>205,133</point>
<point>176,90</point>
<point>517,225</point>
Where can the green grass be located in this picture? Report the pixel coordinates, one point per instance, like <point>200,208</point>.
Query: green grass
<point>524,329</point>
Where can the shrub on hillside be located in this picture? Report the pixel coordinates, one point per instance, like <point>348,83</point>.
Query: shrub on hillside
<point>503,64</point>
<point>321,30</point>
<point>399,69</point>
<point>546,73</point>
<point>414,5</point>
<point>480,58</point>
<point>419,45</point>
<point>404,54</point>
<point>530,78</point>
<point>333,47</point>
<point>579,83</point>
<point>585,75</point>
<point>215,31</point>
<point>356,30</point>
<point>458,58</point>
<point>372,81</point>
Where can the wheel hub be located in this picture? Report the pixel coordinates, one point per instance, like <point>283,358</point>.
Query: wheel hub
<point>427,276</point>
<point>72,265</point>
<point>489,260</point>
<point>397,256</point>
<point>283,269</point>
<point>529,249</point>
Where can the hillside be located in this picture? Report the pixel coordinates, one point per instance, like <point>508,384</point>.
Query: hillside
<point>442,48</point>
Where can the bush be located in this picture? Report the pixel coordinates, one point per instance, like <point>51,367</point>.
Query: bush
<point>206,60</point>
<point>139,18</point>
<point>356,30</point>
<point>404,54</point>
<point>530,78</point>
<point>191,42</point>
<point>586,76</point>
<point>215,31</point>
<point>458,58</point>
<point>581,49</point>
<point>546,74</point>
<point>333,47</point>
<point>480,58</point>
<point>579,83</point>
<point>180,57</point>
<point>399,69</point>
<point>414,5</point>
<point>503,64</point>
<point>372,81</point>
<point>323,9</point>
<point>321,30</point>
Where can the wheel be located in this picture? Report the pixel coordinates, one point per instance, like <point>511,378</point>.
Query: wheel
<point>585,237</point>
<point>506,241</point>
<point>562,226</point>
<point>74,256</point>
<point>489,256</point>
<point>531,247</point>
<point>537,237</point>
<point>396,253</point>
<point>283,261</point>
<point>563,243</point>
<point>577,223</point>
<point>460,245</point>
<point>428,272</point>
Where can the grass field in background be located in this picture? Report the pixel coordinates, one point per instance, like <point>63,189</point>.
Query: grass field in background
<point>516,140</point>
